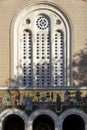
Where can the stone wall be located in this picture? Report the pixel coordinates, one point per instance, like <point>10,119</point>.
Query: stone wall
<point>76,10</point>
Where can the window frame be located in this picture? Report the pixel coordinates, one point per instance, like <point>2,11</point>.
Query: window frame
<point>59,11</point>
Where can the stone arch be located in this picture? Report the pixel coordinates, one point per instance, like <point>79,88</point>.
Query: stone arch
<point>39,112</point>
<point>69,112</point>
<point>13,111</point>
<point>68,31</point>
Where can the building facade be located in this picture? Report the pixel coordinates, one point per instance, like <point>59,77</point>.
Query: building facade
<point>43,65</point>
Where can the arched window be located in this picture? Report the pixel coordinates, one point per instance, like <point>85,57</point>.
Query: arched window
<point>42,47</point>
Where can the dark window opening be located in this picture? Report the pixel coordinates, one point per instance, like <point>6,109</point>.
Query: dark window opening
<point>43,122</point>
<point>73,122</point>
<point>13,122</point>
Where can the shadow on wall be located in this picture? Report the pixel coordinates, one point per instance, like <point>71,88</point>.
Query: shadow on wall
<point>43,78</point>
<point>42,75</point>
<point>85,0</point>
<point>80,67</point>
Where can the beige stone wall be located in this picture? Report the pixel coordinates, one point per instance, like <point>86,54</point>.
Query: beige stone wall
<point>76,10</point>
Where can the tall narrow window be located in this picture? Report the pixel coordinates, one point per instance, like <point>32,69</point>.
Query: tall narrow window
<point>42,40</point>
<point>42,52</point>
<point>25,58</point>
<point>58,56</point>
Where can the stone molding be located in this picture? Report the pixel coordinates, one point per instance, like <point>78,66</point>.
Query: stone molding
<point>51,7</point>
<point>40,112</point>
<point>58,120</point>
<point>68,112</point>
<point>8,112</point>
